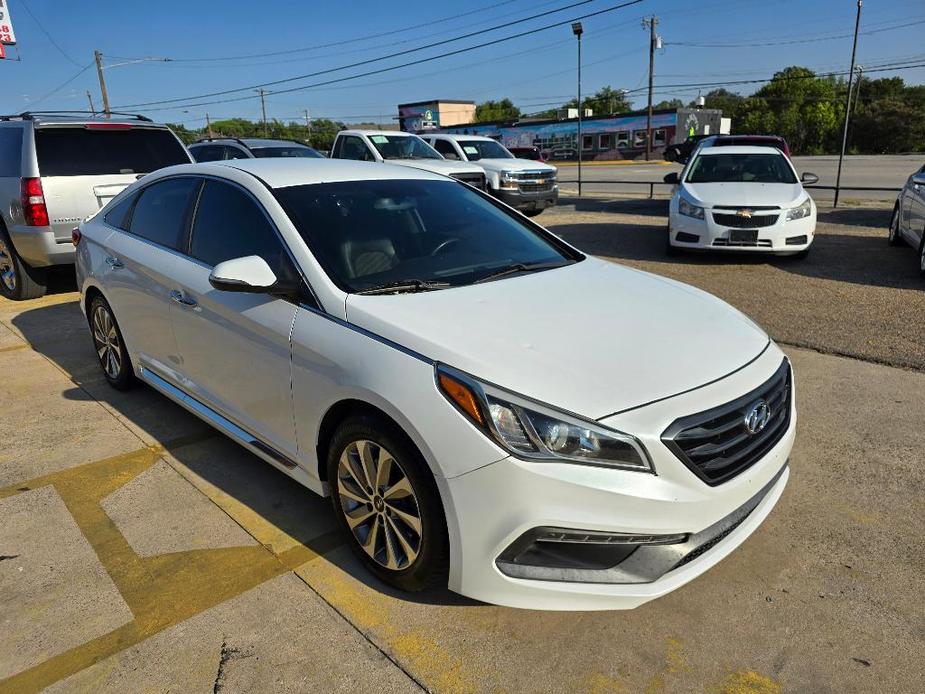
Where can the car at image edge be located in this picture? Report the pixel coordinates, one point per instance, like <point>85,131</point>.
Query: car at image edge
<point>55,170</point>
<point>525,185</point>
<point>489,408</point>
<point>907,223</point>
<point>742,199</point>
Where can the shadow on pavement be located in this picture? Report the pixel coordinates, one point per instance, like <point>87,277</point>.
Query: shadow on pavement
<point>60,333</point>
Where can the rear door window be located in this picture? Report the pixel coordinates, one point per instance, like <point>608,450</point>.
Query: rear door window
<point>162,211</point>
<point>91,152</point>
<point>10,151</point>
<point>207,152</point>
<point>119,215</point>
<point>230,224</point>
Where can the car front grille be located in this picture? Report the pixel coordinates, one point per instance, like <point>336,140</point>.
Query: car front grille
<point>717,444</point>
<point>536,187</point>
<point>760,243</point>
<point>737,221</point>
<point>473,179</point>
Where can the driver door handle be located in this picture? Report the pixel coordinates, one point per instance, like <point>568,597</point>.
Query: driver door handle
<point>179,298</point>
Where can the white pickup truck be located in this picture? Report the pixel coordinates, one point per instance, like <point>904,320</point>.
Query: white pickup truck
<point>529,186</point>
<point>404,149</point>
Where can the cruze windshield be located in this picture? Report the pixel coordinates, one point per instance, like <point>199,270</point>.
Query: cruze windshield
<point>413,235</point>
<point>741,168</point>
<point>484,149</point>
<point>403,147</point>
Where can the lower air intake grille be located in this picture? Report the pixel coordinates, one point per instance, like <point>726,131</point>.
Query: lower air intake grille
<point>720,443</point>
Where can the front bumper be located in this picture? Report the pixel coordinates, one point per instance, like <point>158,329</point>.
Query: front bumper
<point>528,199</point>
<point>497,504</point>
<point>39,248</point>
<point>780,238</point>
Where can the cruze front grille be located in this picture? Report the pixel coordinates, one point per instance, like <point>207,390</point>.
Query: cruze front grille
<point>737,221</point>
<point>717,444</point>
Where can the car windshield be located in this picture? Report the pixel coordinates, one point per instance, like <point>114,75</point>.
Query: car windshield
<point>484,149</point>
<point>403,147</point>
<point>372,234</point>
<point>741,168</point>
<point>287,151</point>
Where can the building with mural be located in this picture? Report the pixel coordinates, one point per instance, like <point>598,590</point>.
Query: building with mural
<point>620,136</point>
<point>428,115</point>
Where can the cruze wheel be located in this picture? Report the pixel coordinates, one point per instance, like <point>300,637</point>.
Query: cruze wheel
<point>110,348</point>
<point>387,501</point>
<point>896,239</point>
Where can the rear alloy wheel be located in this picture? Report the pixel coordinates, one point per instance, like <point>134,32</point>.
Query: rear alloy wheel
<point>18,280</point>
<point>110,348</point>
<point>922,255</point>
<point>387,501</point>
<point>895,238</point>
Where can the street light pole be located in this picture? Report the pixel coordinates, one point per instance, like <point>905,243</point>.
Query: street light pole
<point>844,134</point>
<point>651,23</point>
<point>578,30</point>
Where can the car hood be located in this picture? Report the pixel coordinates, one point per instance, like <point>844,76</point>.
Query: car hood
<point>440,166</point>
<point>745,194</point>
<point>515,165</point>
<point>593,338</point>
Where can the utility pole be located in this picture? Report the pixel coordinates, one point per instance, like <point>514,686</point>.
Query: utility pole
<point>209,126</point>
<point>263,107</point>
<point>650,23</point>
<point>844,134</point>
<point>578,30</point>
<point>308,124</point>
<point>99,73</point>
<point>90,99</point>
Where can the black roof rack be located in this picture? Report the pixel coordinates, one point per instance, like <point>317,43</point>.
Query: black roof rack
<point>215,139</point>
<point>30,115</point>
<point>244,144</point>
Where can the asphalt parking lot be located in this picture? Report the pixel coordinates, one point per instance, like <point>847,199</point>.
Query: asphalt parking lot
<point>141,551</point>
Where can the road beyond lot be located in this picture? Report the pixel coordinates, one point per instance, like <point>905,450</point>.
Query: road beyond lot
<point>876,171</point>
<point>140,550</point>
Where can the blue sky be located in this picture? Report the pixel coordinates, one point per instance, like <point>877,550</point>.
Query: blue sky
<point>209,51</point>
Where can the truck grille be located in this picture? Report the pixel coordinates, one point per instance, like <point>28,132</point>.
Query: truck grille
<point>528,187</point>
<point>717,444</point>
<point>738,222</point>
<point>473,179</point>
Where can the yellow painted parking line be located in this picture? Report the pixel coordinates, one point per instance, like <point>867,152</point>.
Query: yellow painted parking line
<point>160,590</point>
<point>615,162</point>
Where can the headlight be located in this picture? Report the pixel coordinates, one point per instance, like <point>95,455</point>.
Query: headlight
<point>508,179</point>
<point>689,210</point>
<point>533,431</point>
<point>803,210</point>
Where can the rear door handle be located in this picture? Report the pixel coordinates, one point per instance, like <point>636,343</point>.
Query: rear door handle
<point>179,298</point>
<point>114,263</point>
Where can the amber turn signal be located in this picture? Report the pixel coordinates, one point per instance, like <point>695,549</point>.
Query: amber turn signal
<point>463,396</point>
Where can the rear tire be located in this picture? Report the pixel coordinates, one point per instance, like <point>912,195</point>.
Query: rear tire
<point>109,345</point>
<point>18,280</point>
<point>387,503</point>
<point>895,238</point>
<point>532,213</point>
<point>922,255</point>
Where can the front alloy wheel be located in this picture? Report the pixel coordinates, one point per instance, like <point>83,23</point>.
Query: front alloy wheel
<point>110,348</point>
<point>386,500</point>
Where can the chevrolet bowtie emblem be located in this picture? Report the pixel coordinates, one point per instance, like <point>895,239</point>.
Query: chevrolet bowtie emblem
<point>746,214</point>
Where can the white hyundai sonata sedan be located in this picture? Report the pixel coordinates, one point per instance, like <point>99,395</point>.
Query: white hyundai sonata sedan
<point>488,408</point>
<point>741,199</point>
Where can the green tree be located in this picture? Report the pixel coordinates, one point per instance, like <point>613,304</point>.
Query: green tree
<point>496,110</point>
<point>605,100</point>
<point>669,103</point>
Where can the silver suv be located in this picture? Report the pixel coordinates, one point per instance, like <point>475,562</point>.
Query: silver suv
<point>56,169</point>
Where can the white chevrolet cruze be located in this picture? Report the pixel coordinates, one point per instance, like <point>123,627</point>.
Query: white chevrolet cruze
<point>487,407</point>
<point>741,199</point>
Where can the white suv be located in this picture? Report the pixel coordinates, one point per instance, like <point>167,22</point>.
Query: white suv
<point>488,408</point>
<point>529,186</point>
<point>402,149</point>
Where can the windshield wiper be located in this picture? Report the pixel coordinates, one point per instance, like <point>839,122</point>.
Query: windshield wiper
<point>409,286</point>
<point>519,267</point>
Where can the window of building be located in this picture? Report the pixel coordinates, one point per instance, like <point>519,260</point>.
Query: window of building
<point>659,137</point>
<point>587,141</point>
<point>623,139</point>
<point>605,141</point>
<point>639,138</point>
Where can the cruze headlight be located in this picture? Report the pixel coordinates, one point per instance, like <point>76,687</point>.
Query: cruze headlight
<point>534,431</point>
<point>801,211</point>
<point>689,210</point>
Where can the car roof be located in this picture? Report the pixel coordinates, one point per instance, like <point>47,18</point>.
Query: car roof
<point>401,133</point>
<point>455,136</point>
<point>285,171</point>
<point>78,118</point>
<point>739,149</point>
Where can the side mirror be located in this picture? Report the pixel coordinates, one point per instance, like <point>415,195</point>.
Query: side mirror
<point>918,179</point>
<point>672,178</point>
<point>249,274</point>
<point>809,178</point>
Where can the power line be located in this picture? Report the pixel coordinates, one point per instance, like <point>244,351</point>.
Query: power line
<point>370,60</point>
<point>49,36</point>
<point>378,71</point>
<point>63,85</point>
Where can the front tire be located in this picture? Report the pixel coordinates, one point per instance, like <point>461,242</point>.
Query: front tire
<point>532,213</point>
<point>18,280</point>
<point>387,503</point>
<point>922,255</point>
<point>109,345</point>
<point>895,237</point>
